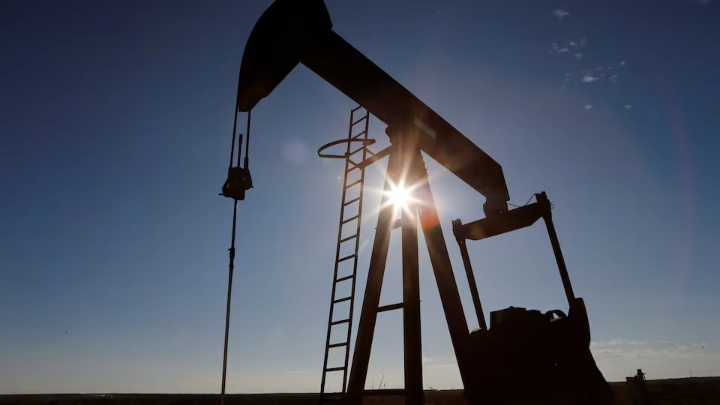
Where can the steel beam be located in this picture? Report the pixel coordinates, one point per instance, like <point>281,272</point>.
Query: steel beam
<point>457,227</point>
<point>442,268</point>
<point>371,300</point>
<point>564,276</point>
<point>412,167</point>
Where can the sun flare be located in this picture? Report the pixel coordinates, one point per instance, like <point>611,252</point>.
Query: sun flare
<point>399,197</point>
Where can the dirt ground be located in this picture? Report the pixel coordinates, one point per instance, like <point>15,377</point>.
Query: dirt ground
<point>686,391</point>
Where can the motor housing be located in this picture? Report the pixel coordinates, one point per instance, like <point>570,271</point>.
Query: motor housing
<point>530,357</point>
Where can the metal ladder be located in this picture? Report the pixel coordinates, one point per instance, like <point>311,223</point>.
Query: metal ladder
<point>360,153</point>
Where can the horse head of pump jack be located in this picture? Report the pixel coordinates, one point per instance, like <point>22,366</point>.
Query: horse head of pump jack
<point>300,31</point>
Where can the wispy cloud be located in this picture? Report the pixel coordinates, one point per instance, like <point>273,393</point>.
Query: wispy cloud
<point>560,13</point>
<point>589,107</point>
<point>597,73</point>
<point>644,348</point>
<point>622,63</point>
<point>556,48</point>
<point>426,359</point>
<point>628,106</point>
<point>589,78</point>
<point>619,342</point>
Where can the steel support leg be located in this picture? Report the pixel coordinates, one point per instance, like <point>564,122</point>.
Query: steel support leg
<point>371,300</point>
<point>411,311</point>
<point>406,166</point>
<point>442,268</point>
<point>412,169</point>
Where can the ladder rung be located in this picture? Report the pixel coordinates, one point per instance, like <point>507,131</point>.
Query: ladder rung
<point>390,307</point>
<point>398,224</point>
<point>361,133</point>
<point>352,201</point>
<point>337,345</point>
<point>354,183</point>
<point>340,321</point>
<point>341,300</point>
<point>360,119</point>
<point>346,258</point>
<point>350,219</point>
<point>348,238</point>
<point>358,150</point>
<point>344,278</point>
<point>335,369</point>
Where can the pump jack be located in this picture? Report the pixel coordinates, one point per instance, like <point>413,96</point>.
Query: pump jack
<point>300,31</point>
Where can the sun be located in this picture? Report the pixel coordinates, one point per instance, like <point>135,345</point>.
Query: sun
<point>399,197</point>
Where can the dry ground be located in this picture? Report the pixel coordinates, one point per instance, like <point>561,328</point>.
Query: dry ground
<point>686,391</point>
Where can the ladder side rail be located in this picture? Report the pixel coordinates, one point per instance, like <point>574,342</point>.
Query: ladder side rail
<point>357,245</point>
<point>335,272</point>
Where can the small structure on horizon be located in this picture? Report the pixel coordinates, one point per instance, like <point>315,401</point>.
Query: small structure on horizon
<point>637,389</point>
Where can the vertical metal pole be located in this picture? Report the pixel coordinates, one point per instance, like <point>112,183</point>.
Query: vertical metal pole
<point>457,226</point>
<point>411,280</point>
<point>231,266</point>
<point>371,300</point>
<point>547,216</point>
<point>442,268</point>
<point>231,270</point>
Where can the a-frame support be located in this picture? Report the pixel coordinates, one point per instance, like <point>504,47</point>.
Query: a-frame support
<point>407,169</point>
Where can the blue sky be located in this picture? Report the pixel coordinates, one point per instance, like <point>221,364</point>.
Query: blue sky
<point>116,121</point>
